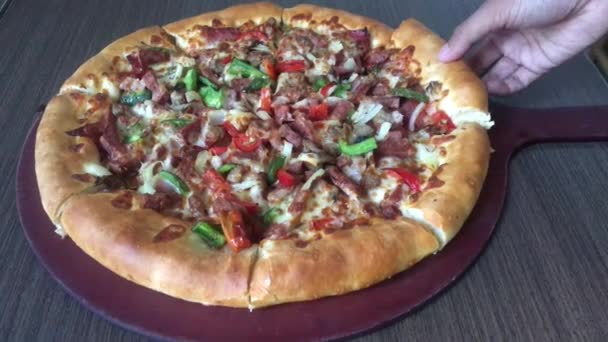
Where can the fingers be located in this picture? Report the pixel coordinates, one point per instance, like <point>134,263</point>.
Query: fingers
<point>486,55</point>
<point>483,21</point>
<point>507,77</point>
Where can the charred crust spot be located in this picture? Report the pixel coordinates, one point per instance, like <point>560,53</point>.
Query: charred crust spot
<point>83,177</point>
<point>302,16</point>
<point>216,23</point>
<point>123,201</point>
<point>155,39</point>
<point>301,243</point>
<point>415,197</point>
<point>76,96</point>
<point>442,151</point>
<point>77,148</point>
<point>169,233</point>
<point>438,140</point>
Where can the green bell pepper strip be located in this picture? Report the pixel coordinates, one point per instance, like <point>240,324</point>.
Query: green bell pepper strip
<point>134,133</point>
<point>243,69</point>
<point>209,234</point>
<point>177,123</point>
<point>190,80</point>
<point>275,166</point>
<point>205,81</point>
<point>212,98</point>
<point>362,147</point>
<point>258,83</point>
<point>270,216</point>
<point>341,90</point>
<point>132,98</point>
<point>319,83</point>
<point>410,94</point>
<point>180,187</point>
<point>224,169</point>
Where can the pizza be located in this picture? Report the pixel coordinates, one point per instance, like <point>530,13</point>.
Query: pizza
<point>259,155</point>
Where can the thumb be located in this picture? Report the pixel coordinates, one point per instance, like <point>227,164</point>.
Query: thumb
<point>486,19</point>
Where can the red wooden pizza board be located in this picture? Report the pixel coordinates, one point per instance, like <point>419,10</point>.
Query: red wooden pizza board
<point>154,314</point>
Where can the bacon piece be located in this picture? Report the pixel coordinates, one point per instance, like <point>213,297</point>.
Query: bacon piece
<point>119,158</point>
<point>219,34</point>
<point>161,201</point>
<point>159,91</point>
<point>282,114</point>
<point>389,103</point>
<point>362,85</point>
<point>291,136</point>
<point>388,206</point>
<point>343,182</point>
<point>298,204</point>
<point>341,110</point>
<point>376,57</point>
<point>170,233</point>
<point>381,89</point>
<point>303,126</point>
<point>396,145</point>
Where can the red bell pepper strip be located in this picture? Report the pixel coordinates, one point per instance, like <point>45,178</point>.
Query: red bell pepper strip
<point>253,34</point>
<point>218,150</point>
<point>443,121</point>
<point>291,66</point>
<point>286,179</point>
<point>325,90</point>
<point>233,226</point>
<point>230,129</point>
<point>246,143</point>
<point>227,59</point>
<point>216,182</point>
<point>408,177</point>
<point>320,224</point>
<point>250,207</point>
<point>269,69</point>
<point>266,100</point>
<point>318,112</point>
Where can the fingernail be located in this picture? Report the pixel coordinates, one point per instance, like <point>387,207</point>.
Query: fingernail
<point>444,53</point>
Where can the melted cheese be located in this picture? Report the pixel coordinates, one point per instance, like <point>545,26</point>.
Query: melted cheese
<point>96,169</point>
<point>379,193</point>
<point>427,156</point>
<point>322,197</point>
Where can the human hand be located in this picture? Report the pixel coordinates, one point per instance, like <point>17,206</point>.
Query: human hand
<point>524,39</point>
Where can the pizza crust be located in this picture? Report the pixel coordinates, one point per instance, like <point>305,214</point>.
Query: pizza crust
<point>444,209</point>
<point>320,19</point>
<point>98,74</point>
<point>467,99</point>
<point>122,241</point>
<point>338,263</point>
<point>188,39</point>
<point>55,158</point>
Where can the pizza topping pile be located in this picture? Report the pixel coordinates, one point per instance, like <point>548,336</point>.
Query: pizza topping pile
<point>269,132</point>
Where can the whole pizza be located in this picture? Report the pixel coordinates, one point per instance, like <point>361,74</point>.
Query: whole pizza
<point>259,155</point>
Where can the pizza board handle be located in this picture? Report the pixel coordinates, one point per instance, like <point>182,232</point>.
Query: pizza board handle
<point>517,127</point>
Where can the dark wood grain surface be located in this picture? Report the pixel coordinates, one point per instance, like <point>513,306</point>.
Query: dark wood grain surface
<point>543,276</point>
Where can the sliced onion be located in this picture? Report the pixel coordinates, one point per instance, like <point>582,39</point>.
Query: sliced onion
<point>313,177</point>
<point>353,77</point>
<point>217,117</point>
<point>412,123</point>
<point>366,112</point>
<point>311,57</point>
<point>287,149</point>
<point>385,127</point>
<point>245,185</point>
<point>350,64</point>
<point>262,114</point>
<point>262,48</point>
<point>148,178</point>
<point>96,170</point>
<point>201,161</point>
<point>397,118</point>
<point>216,162</point>
<point>335,46</point>
<point>305,103</point>
<point>192,96</point>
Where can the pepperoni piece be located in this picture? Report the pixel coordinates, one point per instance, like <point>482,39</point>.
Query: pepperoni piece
<point>169,233</point>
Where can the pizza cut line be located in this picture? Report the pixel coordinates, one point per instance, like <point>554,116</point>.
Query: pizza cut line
<point>258,155</point>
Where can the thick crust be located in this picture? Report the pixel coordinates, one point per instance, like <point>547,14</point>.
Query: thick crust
<point>123,241</point>
<point>467,98</point>
<point>187,35</point>
<point>322,19</point>
<point>445,208</point>
<point>59,156</point>
<point>97,75</point>
<point>338,263</point>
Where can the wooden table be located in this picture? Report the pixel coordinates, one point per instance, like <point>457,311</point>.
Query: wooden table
<point>543,276</point>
